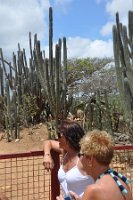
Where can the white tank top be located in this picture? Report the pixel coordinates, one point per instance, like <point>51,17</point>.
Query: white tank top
<point>73,180</point>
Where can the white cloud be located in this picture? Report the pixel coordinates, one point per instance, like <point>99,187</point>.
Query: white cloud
<point>107,28</point>
<point>112,7</point>
<point>18,19</point>
<point>78,47</point>
<point>119,6</point>
<point>82,47</point>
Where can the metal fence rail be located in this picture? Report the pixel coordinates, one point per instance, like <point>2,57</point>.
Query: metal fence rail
<point>22,175</point>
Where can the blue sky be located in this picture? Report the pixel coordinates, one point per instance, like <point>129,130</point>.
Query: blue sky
<point>83,18</point>
<point>87,24</point>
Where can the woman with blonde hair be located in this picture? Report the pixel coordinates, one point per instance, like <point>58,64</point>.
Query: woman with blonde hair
<point>96,155</point>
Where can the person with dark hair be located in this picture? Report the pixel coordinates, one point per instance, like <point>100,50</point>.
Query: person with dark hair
<point>96,154</point>
<point>71,175</point>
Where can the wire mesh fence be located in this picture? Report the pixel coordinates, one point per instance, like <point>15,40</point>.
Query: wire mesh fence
<point>123,162</point>
<point>22,176</point>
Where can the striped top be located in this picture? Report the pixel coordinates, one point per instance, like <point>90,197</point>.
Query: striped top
<point>114,175</point>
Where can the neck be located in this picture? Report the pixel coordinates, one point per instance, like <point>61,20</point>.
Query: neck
<point>72,153</point>
<point>99,170</point>
<point>70,156</point>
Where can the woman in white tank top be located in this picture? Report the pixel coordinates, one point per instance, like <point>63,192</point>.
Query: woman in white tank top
<point>71,175</point>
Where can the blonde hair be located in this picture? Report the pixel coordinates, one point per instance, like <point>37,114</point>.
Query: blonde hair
<point>98,144</point>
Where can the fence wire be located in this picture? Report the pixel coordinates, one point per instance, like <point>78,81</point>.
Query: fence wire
<point>22,175</point>
<point>123,162</point>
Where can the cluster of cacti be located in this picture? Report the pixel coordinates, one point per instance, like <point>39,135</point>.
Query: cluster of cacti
<point>52,74</point>
<point>17,81</point>
<point>21,80</point>
<point>98,113</point>
<point>123,56</point>
<point>45,79</point>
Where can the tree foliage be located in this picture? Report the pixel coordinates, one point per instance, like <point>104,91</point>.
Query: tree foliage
<point>86,75</point>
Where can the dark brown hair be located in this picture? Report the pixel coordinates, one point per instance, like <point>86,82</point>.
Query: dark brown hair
<point>72,132</point>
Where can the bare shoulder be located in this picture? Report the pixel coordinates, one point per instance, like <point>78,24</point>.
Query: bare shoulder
<point>94,192</point>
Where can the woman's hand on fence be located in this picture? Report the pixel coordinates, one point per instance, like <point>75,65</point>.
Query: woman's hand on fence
<point>48,162</point>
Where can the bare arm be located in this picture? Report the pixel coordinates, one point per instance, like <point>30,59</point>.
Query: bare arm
<point>49,145</point>
<point>91,193</point>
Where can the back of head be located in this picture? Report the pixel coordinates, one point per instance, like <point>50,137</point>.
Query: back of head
<point>98,144</point>
<point>72,132</point>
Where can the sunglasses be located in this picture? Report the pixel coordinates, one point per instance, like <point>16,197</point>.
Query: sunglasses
<point>80,154</point>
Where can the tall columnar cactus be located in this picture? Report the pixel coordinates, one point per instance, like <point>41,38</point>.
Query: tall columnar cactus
<point>1,82</point>
<point>123,55</point>
<point>108,114</point>
<point>53,74</point>
<point>98,110</point>
<point>3,63</point>
<point>8,110</point>
<point>16,114</point>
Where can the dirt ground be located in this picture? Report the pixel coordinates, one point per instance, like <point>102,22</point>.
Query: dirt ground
<point>24,178</point>
<point>31,139</point>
